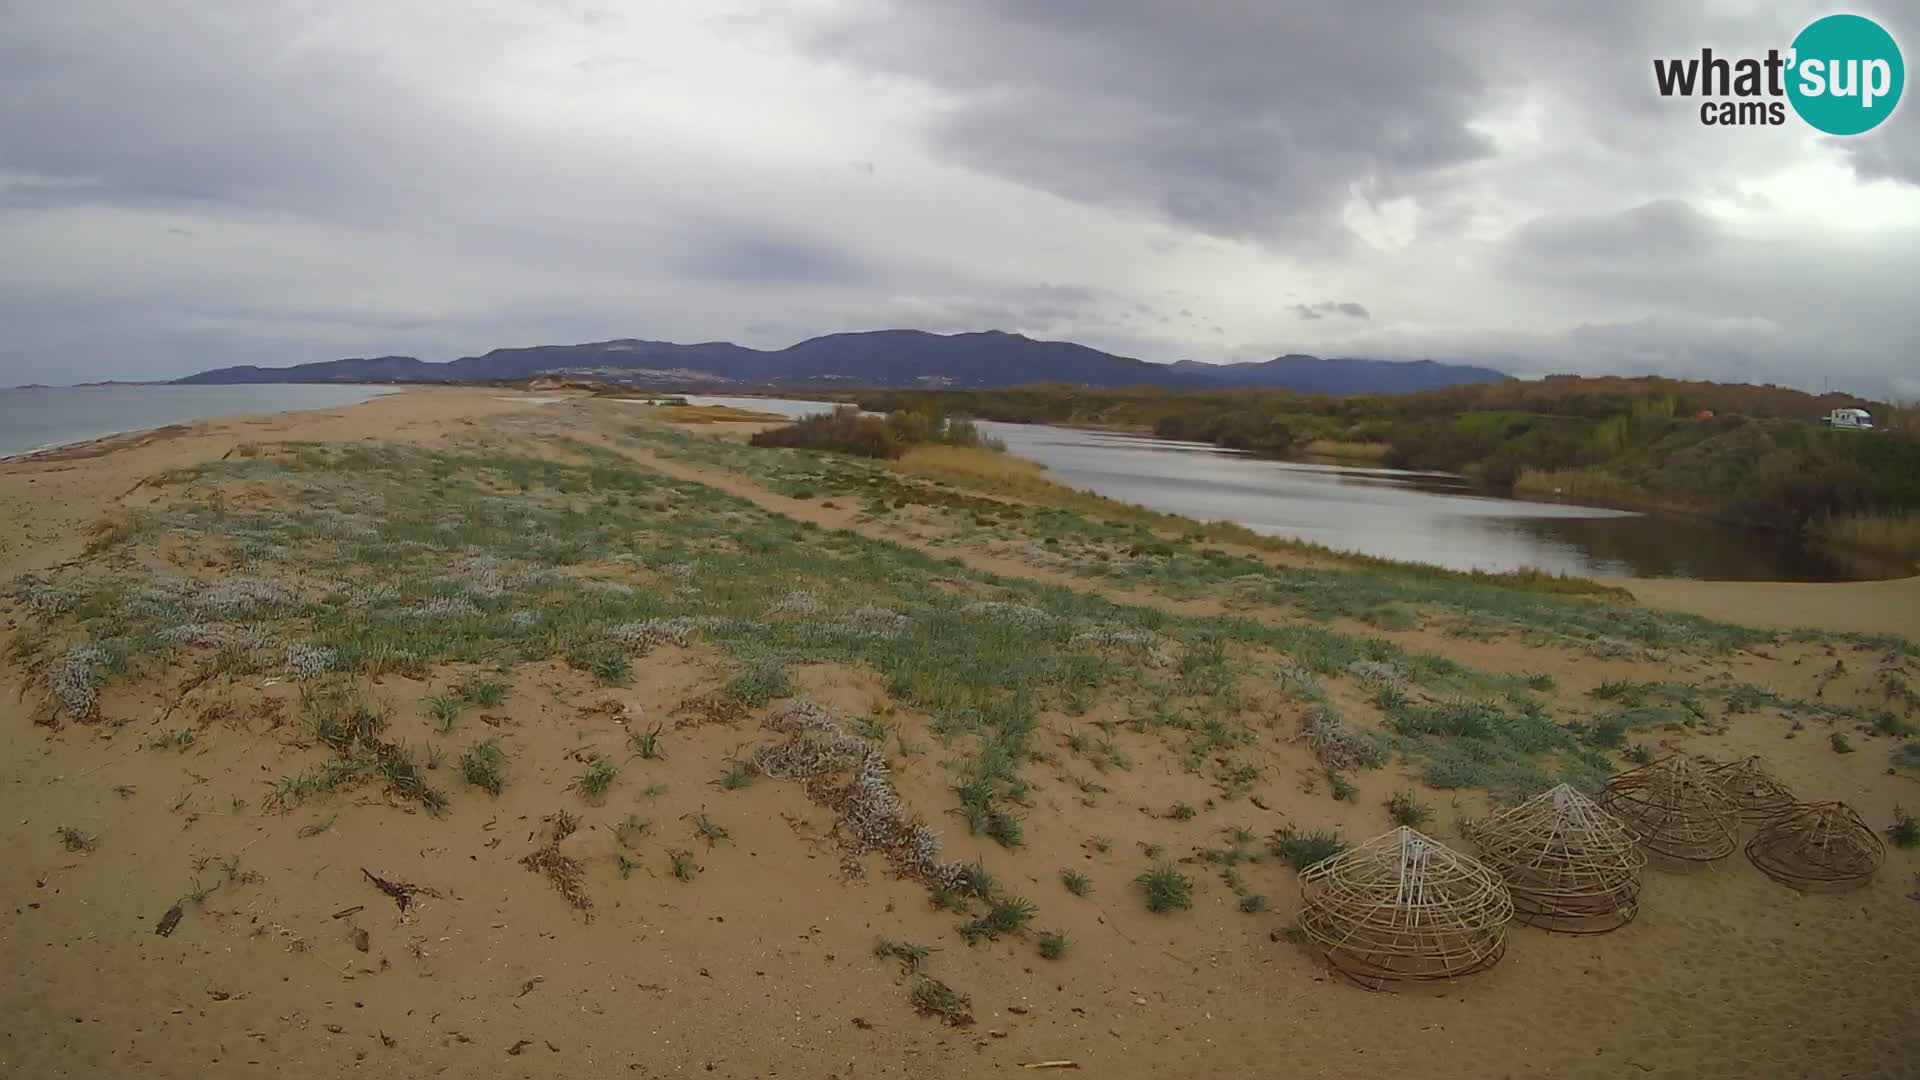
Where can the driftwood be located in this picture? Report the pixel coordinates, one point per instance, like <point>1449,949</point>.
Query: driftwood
<point>168,921</point>
<point>401,892</point>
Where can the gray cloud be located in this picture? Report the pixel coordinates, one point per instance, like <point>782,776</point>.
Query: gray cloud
<point>1657,229</point>
<point>184,185</point>
<point>1238,119</point>
<point>1348,308</point>
<point>747,252</point>
<point>1893,154</point>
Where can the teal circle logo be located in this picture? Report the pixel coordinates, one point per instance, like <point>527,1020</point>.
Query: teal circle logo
<point>1846,74</point>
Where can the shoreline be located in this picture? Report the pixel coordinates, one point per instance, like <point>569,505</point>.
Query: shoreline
<point>59,450</point>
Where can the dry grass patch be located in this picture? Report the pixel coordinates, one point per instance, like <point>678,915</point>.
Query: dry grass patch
<point>1891,534</point>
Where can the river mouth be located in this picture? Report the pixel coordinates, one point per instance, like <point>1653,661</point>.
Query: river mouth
<point>1435,518</point>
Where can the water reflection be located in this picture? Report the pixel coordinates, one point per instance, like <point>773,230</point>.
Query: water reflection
<point>1423,517</point>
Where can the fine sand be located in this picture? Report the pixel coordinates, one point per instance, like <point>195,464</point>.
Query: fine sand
<point>1868,607</point>
<point>292,962</point>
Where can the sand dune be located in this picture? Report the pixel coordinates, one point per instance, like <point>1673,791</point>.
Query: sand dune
<point>288,959</point>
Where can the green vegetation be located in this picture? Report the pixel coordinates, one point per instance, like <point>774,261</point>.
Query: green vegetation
<point>484,766</point>
<point>736,775</point>
<point>1406,810</point>
<point>1885,723</point>
<point>1341,787</point>
<point>911,956</point>
<point>1167,889</point>
<point>931,997</point>
<point>846,431</point>
<point>595,779</point>
<point>1076,882</point>
<point>483,692</point>
<point>631,829</point>
<point>445,710</point>
<point>1301,849</point>
<point>646,744</point>
<point>1004,915</point>
<point>396,766</point>
<point>1905,830</point>
<point>680,863</point>
<point>343,719</point>
<point>1053,944</point>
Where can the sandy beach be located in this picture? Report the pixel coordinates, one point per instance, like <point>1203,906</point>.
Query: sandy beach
<point>725,934</point>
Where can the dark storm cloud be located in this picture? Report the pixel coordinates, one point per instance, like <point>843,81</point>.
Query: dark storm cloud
<point>1241,119</point>
<point>1658,228</point>
<point>1324,308</point>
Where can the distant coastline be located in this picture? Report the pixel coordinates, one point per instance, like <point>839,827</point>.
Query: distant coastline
<point>36,421</point>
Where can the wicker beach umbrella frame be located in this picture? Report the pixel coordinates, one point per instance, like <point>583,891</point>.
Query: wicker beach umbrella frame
<point>1572,867</point>
<point>1405,907</point>
<point>1756,795</point>
<point>1675,809</point>
<point>1818,847</point>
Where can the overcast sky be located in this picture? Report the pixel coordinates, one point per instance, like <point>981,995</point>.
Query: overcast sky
<point>191,183</point>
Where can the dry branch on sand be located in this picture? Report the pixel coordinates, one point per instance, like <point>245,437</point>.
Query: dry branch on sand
<point>1404,906</point>
<point>1818,847</point>
<point>1675,809</point>
<point>562,871</point>
<point>1570,865</point>
<point>1335,745</point>
<point>849,776</point>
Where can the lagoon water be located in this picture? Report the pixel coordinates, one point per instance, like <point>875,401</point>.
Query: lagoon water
<point>1433,518</point>
<point>35,418</point>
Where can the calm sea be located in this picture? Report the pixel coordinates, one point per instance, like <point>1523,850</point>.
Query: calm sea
<point>55,416</point>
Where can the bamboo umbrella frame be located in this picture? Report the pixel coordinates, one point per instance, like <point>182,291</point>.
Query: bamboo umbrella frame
<point>1571,866</point>
<point>1818,847</point>
<point>1405,907</point>
<point>1755,793</point>
<point>1674,809</point>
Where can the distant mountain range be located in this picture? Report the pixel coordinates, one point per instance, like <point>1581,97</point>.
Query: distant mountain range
<point>879,359</point>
